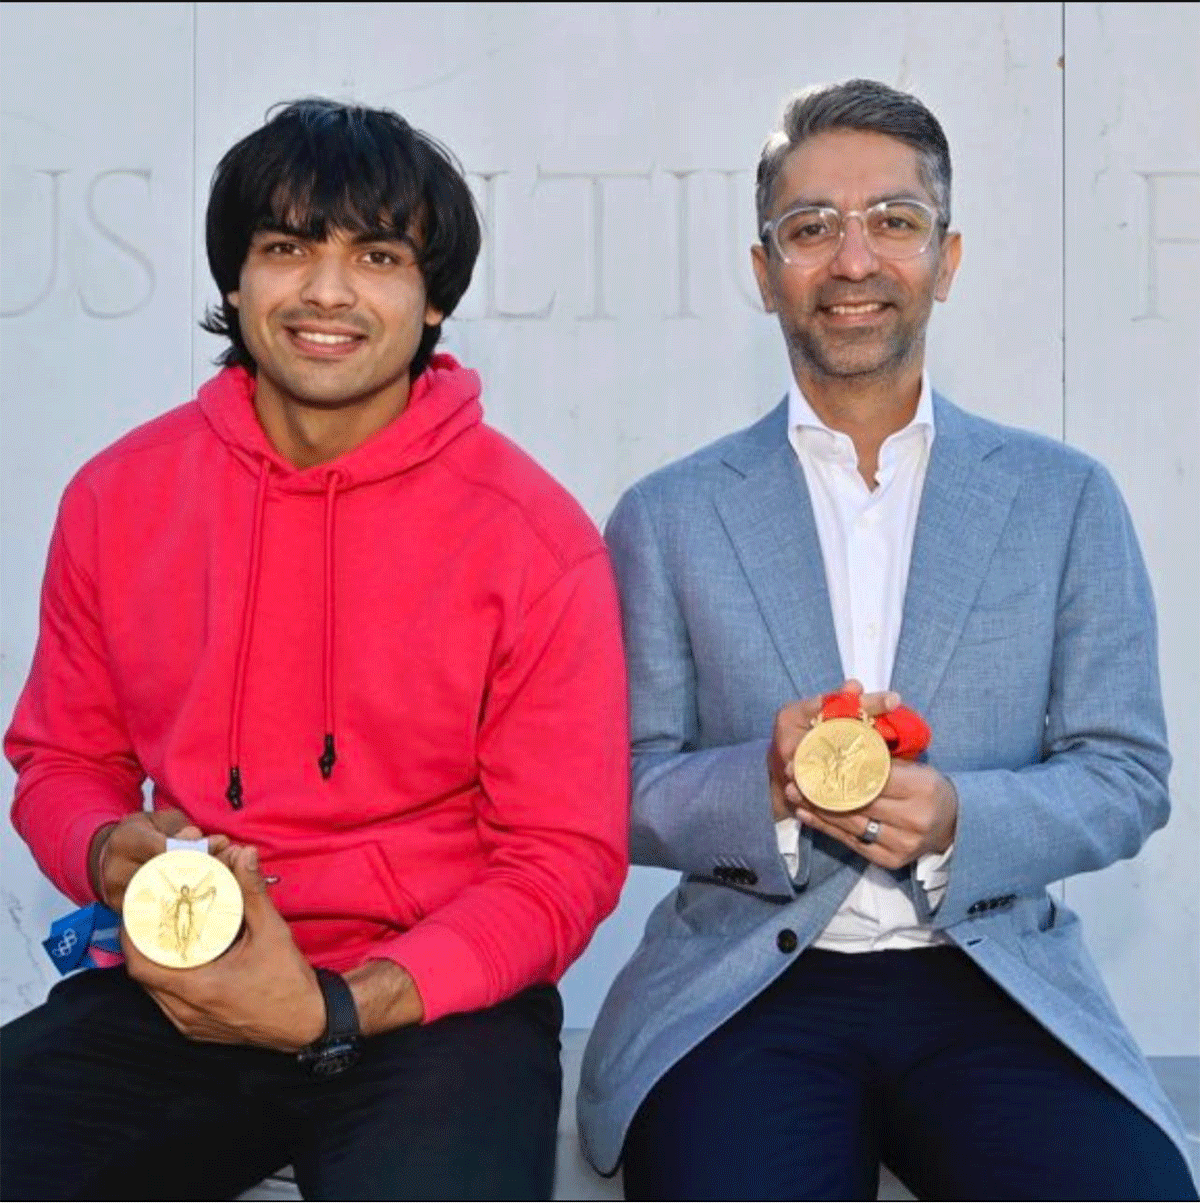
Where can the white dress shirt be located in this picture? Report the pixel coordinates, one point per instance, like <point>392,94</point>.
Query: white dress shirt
<point>866,538</point>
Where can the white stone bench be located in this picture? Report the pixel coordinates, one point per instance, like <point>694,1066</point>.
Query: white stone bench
<point>575,1179</point>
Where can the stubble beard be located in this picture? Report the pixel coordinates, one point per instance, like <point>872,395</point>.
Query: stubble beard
<point>872,357</point>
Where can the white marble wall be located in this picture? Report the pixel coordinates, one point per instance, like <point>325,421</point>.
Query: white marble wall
<point>1131,339</point>
<point>613,315</point>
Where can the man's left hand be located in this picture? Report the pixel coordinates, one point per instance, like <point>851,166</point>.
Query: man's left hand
<point>917,813</point>
<point>261,991</point>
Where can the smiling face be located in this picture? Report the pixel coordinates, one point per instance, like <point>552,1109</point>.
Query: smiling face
<point>859,315</point>
<point>332,323</point>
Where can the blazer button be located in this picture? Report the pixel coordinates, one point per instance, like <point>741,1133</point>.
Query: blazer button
<point>786,940</point>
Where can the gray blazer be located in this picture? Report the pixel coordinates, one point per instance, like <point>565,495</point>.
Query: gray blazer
<point>1027,642</point>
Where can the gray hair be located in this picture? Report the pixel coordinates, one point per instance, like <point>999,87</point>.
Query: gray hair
<point>857,104</point>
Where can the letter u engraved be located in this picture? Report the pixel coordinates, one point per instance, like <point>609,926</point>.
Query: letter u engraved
<point>52,275</point>
<point>734,206</point>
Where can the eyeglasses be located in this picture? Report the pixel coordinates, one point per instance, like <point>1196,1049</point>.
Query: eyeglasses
<point>811,235</point>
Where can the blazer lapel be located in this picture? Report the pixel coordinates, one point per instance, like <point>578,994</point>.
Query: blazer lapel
<point>768,517</point>
<point>964,506</point>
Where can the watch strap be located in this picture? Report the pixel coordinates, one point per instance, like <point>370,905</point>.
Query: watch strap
<point>341,1014</point>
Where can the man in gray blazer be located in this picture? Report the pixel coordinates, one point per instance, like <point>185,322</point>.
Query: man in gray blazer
<point>826,990</point>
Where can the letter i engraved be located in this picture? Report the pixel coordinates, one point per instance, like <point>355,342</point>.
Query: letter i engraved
<point>683,231</point>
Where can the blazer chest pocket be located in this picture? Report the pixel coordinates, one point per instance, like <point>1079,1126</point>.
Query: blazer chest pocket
<point>1009,612</point>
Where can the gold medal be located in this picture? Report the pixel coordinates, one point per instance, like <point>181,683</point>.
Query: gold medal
<point>182,908</point>
<point>842,763</point>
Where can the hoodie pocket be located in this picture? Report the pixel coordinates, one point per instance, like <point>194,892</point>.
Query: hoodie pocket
<point>340,895</point>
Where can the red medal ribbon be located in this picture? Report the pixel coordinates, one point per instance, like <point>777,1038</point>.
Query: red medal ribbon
<point>904,731</point>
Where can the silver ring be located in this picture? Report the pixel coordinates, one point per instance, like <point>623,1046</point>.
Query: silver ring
<point>872,832</point>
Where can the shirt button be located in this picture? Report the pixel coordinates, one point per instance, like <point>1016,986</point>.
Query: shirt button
<point>786,940</point>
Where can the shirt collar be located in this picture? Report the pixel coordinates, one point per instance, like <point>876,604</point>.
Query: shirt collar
<point>802,419</point>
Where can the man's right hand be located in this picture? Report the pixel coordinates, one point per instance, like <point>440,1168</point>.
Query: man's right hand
<point>792,724</point>
<point>119,850</point>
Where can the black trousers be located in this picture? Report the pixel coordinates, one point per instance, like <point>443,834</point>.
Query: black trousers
<point>103,1099</point>
<point>916,1059</point>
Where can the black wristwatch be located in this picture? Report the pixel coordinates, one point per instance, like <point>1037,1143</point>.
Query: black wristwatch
<point>340,1046</point>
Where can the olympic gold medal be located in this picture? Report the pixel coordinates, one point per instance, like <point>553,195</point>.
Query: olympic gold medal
<point>182,909</point>
<point>841,764</point>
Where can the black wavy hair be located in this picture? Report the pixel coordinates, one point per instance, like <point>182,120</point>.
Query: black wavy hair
<point>318,165</point>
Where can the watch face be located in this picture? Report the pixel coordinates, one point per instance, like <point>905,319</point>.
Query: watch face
<point>326,1060</point>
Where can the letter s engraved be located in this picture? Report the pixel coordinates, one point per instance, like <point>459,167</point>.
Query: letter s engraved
<point>121,244</point>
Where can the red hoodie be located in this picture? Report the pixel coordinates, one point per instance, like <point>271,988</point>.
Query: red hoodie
<point>431,612</point>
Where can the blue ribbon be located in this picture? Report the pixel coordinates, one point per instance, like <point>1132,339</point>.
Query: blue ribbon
<point>73,938</point>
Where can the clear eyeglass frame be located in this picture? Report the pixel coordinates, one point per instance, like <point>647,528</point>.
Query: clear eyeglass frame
<point>824,254</point>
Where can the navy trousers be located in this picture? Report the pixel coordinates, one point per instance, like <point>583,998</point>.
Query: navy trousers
<point>103,1099</point>
<point>915,1059</point>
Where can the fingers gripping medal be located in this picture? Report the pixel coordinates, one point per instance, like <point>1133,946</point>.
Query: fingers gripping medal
<point>183,908</point>
<point>843,763</point>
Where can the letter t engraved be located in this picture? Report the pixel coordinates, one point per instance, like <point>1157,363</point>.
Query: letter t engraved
<point>596,240</point>
<point>1154,239</point>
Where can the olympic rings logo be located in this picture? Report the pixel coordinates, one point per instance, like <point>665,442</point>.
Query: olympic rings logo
<point>68,941</point>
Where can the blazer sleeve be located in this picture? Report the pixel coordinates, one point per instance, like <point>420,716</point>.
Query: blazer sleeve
<point>1100,789</point>
<point>700,811</point>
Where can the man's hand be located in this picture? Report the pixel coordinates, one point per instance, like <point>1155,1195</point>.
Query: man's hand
<point>262,991</point>
<point>792,724</point>
<point>917,813</point>
<point>119,850</point>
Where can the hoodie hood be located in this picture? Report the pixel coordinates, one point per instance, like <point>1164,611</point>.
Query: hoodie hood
<point>443,403</point>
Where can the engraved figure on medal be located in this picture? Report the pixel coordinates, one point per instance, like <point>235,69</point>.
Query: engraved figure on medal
<point>183,917</point>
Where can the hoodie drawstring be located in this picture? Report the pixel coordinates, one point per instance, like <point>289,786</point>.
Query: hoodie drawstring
<point>234,791</point>
<point>328,757</point>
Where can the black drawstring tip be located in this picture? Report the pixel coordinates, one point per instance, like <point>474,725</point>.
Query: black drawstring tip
<point>328,758</point>
<point>234,793</point>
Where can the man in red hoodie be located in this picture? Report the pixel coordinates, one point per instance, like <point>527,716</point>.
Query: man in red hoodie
<point>369,652</point>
